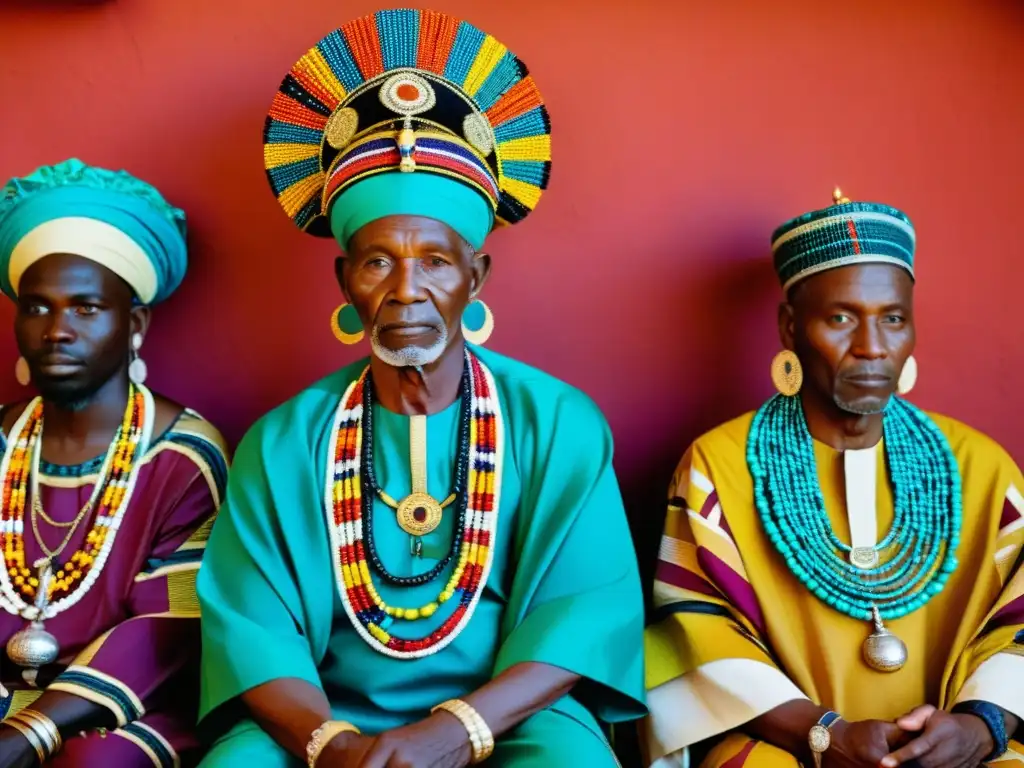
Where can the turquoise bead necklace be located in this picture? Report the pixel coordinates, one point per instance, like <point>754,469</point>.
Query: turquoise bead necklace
<point>914,559</point>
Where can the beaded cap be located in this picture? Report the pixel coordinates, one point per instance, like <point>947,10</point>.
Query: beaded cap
<point>842,234</point>
<point>413,91</point>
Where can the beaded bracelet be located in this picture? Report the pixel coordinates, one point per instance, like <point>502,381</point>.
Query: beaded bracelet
<point>322,736</point>
<point>480,737</point>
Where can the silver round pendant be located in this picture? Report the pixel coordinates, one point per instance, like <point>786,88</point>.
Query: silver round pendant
<point>883,651</point>
<point>864,558</point>
<point>33,647</point>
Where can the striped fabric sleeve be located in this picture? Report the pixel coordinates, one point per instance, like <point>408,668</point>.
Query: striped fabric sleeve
<point>136,661</point>
<point>151,742</point>
<point>708,667</point>
<point>992,667</point>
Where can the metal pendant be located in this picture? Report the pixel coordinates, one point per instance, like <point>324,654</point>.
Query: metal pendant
<point>416,546</point>
<point>419,514</point>
<point>882,650</point>
<point>34,647</point>
<point>864,558</point>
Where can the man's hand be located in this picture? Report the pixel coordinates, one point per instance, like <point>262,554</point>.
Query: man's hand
<point>946,740</point>
<point>439,741</point>
<point>346,750</point>
<point>15,751</point>
<point>861,744</point>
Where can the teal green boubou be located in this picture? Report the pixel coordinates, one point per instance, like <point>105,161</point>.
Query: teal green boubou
<point>563,589</point>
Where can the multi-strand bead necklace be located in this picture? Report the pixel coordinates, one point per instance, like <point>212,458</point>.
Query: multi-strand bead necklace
<point>458,495</point>
<point>109,500</point>
<point>349,497</point>
<point>916,557</point>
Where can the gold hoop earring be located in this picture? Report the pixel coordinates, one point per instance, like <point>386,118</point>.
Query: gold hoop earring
<point>477,323</point>
<point>346,325</point>
<point>787,373</point>
<point>908,376</point>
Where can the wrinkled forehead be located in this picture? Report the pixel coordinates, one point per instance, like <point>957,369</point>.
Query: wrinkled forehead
<point>856,285</point>
<point>409,236</point>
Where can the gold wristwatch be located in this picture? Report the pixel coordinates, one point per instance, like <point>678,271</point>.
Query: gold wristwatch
<point>820,736</point>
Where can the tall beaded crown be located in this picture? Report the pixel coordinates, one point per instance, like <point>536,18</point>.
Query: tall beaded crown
<point>844,233</point>
<point>406,90</point>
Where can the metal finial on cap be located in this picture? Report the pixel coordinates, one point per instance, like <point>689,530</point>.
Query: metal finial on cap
<point>407,146</point>
<point>838,198</point>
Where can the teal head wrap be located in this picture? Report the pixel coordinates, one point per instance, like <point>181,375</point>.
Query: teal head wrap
<point>107,216</point>
<point>412,194</point>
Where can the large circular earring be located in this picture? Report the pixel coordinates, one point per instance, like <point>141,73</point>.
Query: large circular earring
<point>477,323</point>
<point>908,376</point>
<point>346,325</point>
<point>22,372</point>
<point>787,373</point>
<point>138,371</point>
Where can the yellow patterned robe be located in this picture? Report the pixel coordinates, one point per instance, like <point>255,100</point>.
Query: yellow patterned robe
<point>735,634</point>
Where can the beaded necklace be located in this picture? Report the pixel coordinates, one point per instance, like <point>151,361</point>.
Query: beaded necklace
<point>349,517</point>
<point>114,487</point>
<point>371,487</point>
<point>914,560</point>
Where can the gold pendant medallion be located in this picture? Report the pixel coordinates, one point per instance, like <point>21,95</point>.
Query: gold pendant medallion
<point>419,514</point>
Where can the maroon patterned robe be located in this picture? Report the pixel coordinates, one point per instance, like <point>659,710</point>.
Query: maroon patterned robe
<point>131,644</point>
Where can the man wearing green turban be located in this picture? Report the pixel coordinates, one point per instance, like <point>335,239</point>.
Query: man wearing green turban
<point>109,488</point>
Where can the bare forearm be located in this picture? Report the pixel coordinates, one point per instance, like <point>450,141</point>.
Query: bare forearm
<point>442,739</point>
<point>72,714</point>
<point>787,726</point>
<point>289,710</point>
<point>519,692</point>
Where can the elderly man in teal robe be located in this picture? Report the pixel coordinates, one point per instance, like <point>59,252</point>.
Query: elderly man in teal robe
<point>422,559</point>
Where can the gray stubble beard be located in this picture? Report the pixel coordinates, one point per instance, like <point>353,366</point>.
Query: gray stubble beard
<point>411,356</point>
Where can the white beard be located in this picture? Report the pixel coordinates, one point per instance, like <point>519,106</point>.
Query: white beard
<point>859,411</point>
<point>411,356</point>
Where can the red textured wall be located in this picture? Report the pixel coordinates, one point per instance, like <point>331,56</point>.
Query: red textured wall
<point>683,133</point>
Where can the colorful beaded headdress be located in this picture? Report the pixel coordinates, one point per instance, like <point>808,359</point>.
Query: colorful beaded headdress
<point>407,93</point>
<point>842,234</point>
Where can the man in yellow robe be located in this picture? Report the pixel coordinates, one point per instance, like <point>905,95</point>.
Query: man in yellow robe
<point>839,581</point>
